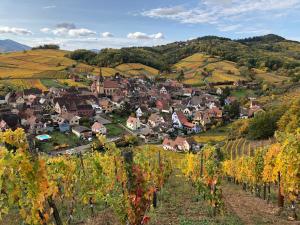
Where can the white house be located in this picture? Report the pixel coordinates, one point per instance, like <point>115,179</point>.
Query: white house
<point>179,144</point>
<point>98,128</point>
<point>133,123</point>
<point>138,112</point>
<point>176,121</point>
<point>187,112</point>
<point>219,91</point>
<point>163,90</point>
<point>74,120</point>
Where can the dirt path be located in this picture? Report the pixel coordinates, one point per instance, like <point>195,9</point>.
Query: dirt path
<point>179,205</point>
<point>250,209</point>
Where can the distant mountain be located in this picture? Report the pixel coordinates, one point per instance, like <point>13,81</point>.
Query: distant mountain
<point>95,50</point>
<point>12,46</point>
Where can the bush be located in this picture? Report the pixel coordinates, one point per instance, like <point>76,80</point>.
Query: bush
<point>264,124</point>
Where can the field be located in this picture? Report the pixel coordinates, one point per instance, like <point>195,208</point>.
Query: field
<point>46,68</point>
<point>269,77</point>
<point>33,64</point>
<point>195,66</point>
<point>22,84</point>
<point>70,83</point>
<point>135,69</point>
<point>242,146</point>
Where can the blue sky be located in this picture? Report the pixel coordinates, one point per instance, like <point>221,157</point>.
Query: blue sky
<point>98,24</point>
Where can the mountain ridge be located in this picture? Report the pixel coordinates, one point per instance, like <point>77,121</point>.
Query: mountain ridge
<point>268,52</point>
<point>8,45</point>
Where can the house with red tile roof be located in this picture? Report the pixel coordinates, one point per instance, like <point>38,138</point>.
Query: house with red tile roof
<point>133,123</point>
<point>179,144</point>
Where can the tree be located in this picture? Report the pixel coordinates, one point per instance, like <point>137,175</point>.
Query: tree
<point>232,110</point>
<point>180,77</point>
<point>264,124</point>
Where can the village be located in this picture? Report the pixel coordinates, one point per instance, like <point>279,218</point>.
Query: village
<point>155,112</point>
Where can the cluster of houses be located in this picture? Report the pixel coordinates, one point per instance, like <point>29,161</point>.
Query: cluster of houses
<point>157,110</point>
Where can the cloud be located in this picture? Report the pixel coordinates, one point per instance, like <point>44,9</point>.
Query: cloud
<point>45,30</point>
<point>226,28</point>
<point>49,7</point>
<point>218,12</point>
<point>140,35</point>
<point>72,43</point>
<point>107,35</point>
<point>14,31</point>
<point>82,32</point>
<point>254,31</point>
<point>68,29</point>
<point>67,26</point>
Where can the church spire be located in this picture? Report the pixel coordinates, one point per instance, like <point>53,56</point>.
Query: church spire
<point>101,79</point>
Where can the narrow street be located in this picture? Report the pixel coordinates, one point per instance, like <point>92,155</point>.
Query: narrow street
<point>80,149</point>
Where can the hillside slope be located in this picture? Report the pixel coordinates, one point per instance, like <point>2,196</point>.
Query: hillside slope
<point>44,68</point>
<point>269,52</point>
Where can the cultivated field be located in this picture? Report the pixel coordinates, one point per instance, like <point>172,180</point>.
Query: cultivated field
<point>200,68</point>
<point>35,63</point>
<point>136,69</point>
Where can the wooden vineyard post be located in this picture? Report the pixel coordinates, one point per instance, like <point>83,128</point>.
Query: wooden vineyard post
<point>294,214</point>
<point>43,220</point>
<point>269,193</point>
<point>154,199</point>
<point>128,159</point>
<point>91,206</point>
<point>154,202</point>
<point>265,191</point>
<point>201,164</point>
<point>55,211</point>
<point>280,196</point>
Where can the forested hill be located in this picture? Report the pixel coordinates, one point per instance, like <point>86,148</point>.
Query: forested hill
<point>270,51</point>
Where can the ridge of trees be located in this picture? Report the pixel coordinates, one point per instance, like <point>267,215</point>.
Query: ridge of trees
<point>268,51</point>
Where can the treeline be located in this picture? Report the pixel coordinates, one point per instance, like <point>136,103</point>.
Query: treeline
<point>257,52</point>
<point>46,46</point>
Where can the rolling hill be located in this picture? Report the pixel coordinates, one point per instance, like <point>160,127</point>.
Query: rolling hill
<point>270,59</point>
<point>270,53</point>
<point>12,46</point>
<point>44,68</point>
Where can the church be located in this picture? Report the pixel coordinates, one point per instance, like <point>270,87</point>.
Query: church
<point>103,86</point>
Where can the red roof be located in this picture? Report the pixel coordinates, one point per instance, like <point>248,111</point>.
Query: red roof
<point>110,84</point>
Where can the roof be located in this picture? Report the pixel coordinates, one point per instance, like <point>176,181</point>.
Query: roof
<point>34,91</point>
<point>102,120</point>
<point>69,103</point>
<point>97,125</point>
<point>131,119</point>
<point>181,117</point>
<point>154,117</point>
<point>169,142</point>
<point>110,84</point>
<point>12,120</point>
<point>81,129</point>
<point>84,107</point>
<point>180,141</point>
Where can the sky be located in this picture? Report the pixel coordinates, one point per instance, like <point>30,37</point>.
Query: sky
<point>97,24</point>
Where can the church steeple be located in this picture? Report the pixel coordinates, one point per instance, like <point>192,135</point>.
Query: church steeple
<point>100,83</point>
<point>101,79</point>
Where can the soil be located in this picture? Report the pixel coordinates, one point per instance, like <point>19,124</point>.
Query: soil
<point>251,209</point>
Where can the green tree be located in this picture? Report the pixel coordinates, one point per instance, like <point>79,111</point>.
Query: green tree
<point>264,124</point>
